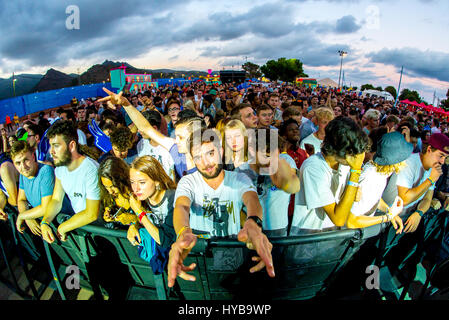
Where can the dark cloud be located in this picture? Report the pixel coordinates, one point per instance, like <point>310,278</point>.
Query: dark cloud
<point>417,63</point>
<point>34,34</point>
<point>37,35</point>
<point>347,24</point>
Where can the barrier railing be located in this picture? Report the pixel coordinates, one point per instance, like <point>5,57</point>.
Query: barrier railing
<point>305,265</point>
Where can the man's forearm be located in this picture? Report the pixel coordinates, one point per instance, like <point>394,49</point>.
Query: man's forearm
<point>181,218</point>
<point>285,179</point>
<point>32,213</point>
<point>52,210</point>
<point>343,208</point>
<point>3,200</point>
<point>425,203</point>
<point>412,194</point>
<point>77,221</point>
<point>356,222</point>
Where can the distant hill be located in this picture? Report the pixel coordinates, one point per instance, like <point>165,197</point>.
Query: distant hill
<point>53,80</point>
<point>24,85</point>
<point>100,72</point>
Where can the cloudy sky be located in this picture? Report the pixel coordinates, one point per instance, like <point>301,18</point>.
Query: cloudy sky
<point>380,37</point>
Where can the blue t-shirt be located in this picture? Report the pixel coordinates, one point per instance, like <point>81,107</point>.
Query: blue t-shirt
<point>41,186</point>
<point>180,162</point>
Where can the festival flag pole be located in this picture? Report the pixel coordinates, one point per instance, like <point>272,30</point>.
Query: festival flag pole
<point>399,88</point>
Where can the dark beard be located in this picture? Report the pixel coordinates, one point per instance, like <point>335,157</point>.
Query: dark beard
<point>65,160</point>
<point>215,174</point>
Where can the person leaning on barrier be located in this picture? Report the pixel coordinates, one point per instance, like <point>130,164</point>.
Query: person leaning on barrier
<point>391,153</point>
<point>416,183</point>
<point>153,189</point>
<point>76,176</point>
<point>274,173</point>
<point>209,201</point>
<point>329,179</point>
<point>36,184</point>
<point>115,189</point>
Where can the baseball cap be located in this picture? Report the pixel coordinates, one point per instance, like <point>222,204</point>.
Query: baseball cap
<point>439,141</point>
<point>392,148</point>
<point>213,92</point>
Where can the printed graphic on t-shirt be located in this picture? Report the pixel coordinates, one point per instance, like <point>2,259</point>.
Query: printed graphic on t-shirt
<point>219,211</point>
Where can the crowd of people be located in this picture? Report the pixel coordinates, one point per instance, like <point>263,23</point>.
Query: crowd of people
<point>175,163</point>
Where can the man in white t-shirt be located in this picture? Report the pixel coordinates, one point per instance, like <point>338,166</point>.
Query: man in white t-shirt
<point>416,183</point>
<point>77,176</point>
<point>329,179</point>
<point>209,201</point>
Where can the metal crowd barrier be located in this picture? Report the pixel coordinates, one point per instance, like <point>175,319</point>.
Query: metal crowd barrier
<point>305,266</point>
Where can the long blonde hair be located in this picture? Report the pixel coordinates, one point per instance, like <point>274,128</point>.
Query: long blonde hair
<point>389,169</point>
<point>235,124</point>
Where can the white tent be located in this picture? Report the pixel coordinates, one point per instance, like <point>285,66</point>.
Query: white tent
<point>327,83</point>
<point>384,94</point>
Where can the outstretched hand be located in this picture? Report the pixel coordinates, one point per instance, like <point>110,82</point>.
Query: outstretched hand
<point>252,235</point>
<point>179,251</point>
<point>115,98</point>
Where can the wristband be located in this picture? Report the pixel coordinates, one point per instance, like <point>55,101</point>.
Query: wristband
<point>45,222</point>
<point>356,171</point>
<point>353,184</point>
<point>141,215</point>
<point>419,212</point>
<point>432,182</point>
<point>390,214</point>
<point>257,220</point>
<point>181,231</point>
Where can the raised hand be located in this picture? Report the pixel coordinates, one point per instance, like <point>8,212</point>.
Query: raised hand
<point>115,98</point>
<point>355,161</point>
<point>436,172</point>
<point>102,141</point>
